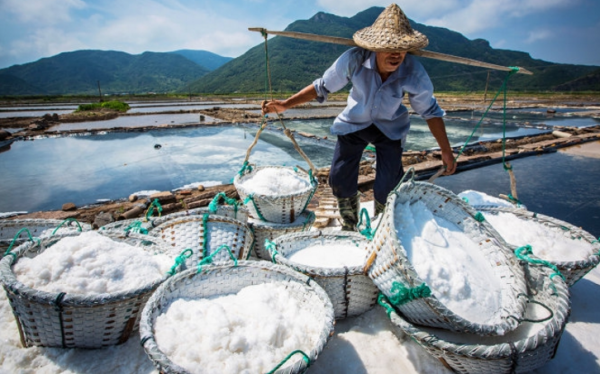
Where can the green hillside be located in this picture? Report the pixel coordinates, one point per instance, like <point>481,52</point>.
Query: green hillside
<point>295,63</point>
<point>79,73</point>
<point>208,60</point>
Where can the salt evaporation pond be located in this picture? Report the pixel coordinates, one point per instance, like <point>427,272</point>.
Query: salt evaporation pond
<point>45,173</point>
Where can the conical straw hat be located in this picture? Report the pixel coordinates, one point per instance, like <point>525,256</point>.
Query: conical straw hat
<point>391,32</point>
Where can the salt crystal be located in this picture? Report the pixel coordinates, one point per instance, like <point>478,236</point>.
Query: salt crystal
<point>449,262</point>
<point>330,256</point>
<point>550,243</point>
<point>248,332</point>
<point>476,198</point>
<point>276,181</point>
<point>91,264</point>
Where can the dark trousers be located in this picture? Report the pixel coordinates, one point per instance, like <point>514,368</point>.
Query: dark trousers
<point>343,176</point>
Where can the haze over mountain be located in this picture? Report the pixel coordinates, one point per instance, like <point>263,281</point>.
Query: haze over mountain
<point>293,64</point>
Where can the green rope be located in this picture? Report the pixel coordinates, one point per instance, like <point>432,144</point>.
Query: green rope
<point>367,232</point>
<point>214,204</point>
<point>208,260</point>
<point>402,294</point>
<point>271,248</point>
<point>479,217</point>
<point>304,356</point>
<point>514,199</point>
<point>466,199</point>
<point>187,253</point>
<point>136,226</point>
<point>245,167</point>
<point>313,182</point>
<point>502,88</point>
<point>251,198</point>
<point>204,234</point>
<point>17,236</point>
<point>370,148</point>
<point>309,217</point>
<point>524,252</point>
<point>150,210</point>
<point>385,302</point>
<point>65,221</point>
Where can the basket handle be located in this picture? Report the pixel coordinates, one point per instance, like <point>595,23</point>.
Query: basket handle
<point>411,170</point>
<point>212,207</point>
<point>208,259</point>
<point>271,247</point>
<point>187,253</point>
<point>17,236</point>
<point>65,221</point>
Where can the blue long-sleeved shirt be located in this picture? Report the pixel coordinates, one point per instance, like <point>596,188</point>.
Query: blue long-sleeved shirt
<point>372,101</point>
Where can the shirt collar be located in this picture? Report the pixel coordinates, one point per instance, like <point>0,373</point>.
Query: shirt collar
<point>371,63</point>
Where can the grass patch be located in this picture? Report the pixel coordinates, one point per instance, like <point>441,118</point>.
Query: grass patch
<point>114,105</point>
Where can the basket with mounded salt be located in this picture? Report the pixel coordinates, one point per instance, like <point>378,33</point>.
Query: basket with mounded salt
<point>530,346</point>
<point>204,234</point>
<point>268,230</point>
<point>573,251</point>
<point>27,229</point>
<point>443,266</point>
<point>252,317</point>
<point>82,290</point>
<point>276,194</point>
<point>335,260</point>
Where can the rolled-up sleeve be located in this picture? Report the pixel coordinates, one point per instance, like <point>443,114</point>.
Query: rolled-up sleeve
<point>422,100</point>
<point>335,78</point>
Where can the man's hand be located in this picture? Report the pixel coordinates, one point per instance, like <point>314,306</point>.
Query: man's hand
<point>273,106</point>
<point>448,160</point>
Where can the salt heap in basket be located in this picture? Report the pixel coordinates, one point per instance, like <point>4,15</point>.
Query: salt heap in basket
<point>276,193</point>
<point>443,266</point>
<point>82,289</point>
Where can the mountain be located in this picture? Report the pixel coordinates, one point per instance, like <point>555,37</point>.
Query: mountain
<point>208,60</point>
<point>295,63</point>
<point>80,72</point>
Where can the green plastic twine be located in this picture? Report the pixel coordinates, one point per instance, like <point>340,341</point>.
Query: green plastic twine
<point>465,199</point>
<point>479,217</point>
<point>208,260</point>
<point>313,182</point>
<point>367,232</point>
<point>204,234</point>
<point>245,167</point>
<point>136,226</point>
<point>502,88</point>
<point>150,210</point>
<point>385,302</point>
<point>65,221</point>
<point>309,217</point>
<point>402,294</point>
<point>187,253</point>
<point>272,248</point>
<point>251,198</point>
<point>17,236</point>
<point>304,356</point>
<point>214,204</point>
<point>524,252</point>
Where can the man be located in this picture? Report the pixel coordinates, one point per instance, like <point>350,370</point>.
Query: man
<point>381,73</point>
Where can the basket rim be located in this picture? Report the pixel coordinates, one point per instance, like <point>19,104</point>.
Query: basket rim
<point>237,182</point>
<point>307,236</point>
<point>147,318</point>
<point>594,253</point>
<point>307,217</point>
<point>559,319</point>
<point>24,221</point>
<point>13,285</point>
<point>436,306</point>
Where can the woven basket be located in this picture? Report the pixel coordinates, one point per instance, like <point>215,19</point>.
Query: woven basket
<point>126,225</point>
<point>190,232</point>
<point>388,264</point>
<point>75,321</point>
<point>219,280</point>
<point>37,227</point>
<point>571,270</point>
<point>350,290</point>
<point>276,208</point>
<point>465,353</point>
<point>268,230</point>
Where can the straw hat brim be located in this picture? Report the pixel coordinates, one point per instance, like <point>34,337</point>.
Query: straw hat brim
<point>378,40</point>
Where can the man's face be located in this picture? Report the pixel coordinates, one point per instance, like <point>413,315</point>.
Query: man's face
<point>389,62</point>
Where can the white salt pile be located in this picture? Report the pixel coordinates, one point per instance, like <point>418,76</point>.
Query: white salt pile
<point>91,264</point>
<point>534,312</point>
<point>276,181</point>
<point>248,332</point>
<point>330,256</point>
<point>550,243</point>
<point>451,264</point>
<point>476,198</point>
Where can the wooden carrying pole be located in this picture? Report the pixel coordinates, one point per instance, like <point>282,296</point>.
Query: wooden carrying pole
<point>420,52</point>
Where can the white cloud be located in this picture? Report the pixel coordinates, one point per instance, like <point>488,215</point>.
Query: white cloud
<point>537,35</point>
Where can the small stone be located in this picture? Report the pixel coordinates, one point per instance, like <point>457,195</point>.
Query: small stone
<point>68,207</point>
<point>133,197</point>
<point>200,188</point>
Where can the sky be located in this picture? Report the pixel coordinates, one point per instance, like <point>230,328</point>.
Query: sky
<point>561,31</point>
